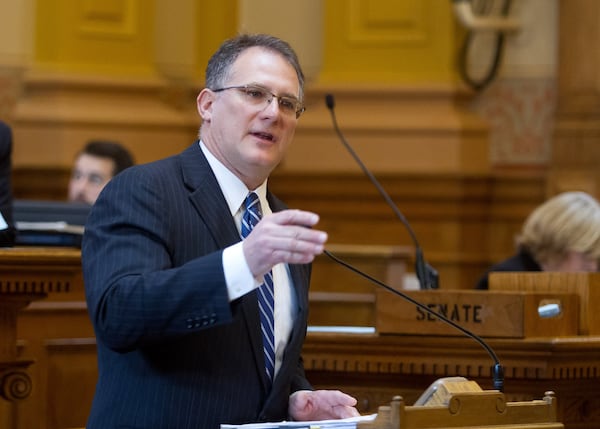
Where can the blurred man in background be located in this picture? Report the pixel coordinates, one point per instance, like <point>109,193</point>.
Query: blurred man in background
<point>95,165</point>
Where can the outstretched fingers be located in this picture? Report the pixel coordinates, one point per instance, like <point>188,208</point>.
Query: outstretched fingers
<point>284,237</point>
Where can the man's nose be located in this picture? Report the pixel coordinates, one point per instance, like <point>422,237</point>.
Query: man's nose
<point>272,106</point>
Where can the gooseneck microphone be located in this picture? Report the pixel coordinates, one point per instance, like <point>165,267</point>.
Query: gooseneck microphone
<point>497,368</point>
<point>426,274</point>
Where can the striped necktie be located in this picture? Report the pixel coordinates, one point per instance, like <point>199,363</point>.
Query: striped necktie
<point>266,294</point>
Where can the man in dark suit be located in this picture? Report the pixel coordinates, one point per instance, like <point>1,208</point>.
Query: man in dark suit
<point>171,286</point>
<point>7,230</point>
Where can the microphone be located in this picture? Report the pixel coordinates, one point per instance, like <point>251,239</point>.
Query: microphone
<point>497,368</point>
<point>426,274</point>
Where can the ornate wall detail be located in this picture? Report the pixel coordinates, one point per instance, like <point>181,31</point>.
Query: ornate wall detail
<point>521,117</point>
<point>108,19</point>
<point>15,385</point>
<point>379,23</point>
<point>388,41</point>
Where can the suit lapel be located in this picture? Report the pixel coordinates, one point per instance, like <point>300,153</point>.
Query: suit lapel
<point>208,199</point>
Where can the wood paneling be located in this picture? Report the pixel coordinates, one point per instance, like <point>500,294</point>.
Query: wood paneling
<point>61,112</point>
<point>57,334</point>
<point>60,339</point>
<point>41,183</point>
<point>576,144</point>
<point>464,223</point>
<point>393,128</point>
<point>375,368</point>
<point>340,297</point>
<point>49,333</point>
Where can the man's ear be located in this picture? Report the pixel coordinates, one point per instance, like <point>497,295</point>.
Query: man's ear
<point>204,104</point>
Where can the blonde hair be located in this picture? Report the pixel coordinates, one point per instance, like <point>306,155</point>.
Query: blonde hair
<point>566,222</point>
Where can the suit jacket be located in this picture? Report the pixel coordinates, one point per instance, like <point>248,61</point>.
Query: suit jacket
<point>173,352</point>
<point>521,261</point>
<point>7,235</point>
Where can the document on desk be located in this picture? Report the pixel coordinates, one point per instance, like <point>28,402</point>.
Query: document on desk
<point>58,226</point>
<point>349,423</point>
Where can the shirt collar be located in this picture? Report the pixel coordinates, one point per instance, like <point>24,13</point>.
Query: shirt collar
<point>234,190</point>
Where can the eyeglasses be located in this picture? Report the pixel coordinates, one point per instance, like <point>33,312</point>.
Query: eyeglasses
<point>262,97</point>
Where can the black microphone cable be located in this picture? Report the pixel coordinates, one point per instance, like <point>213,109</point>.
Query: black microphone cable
<point>427,275</point>
<point>497,369</point>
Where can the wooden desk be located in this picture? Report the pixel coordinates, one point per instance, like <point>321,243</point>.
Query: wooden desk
<point>57,335</point>
<point>375,368</point>
<point>42,330</point>
<point>339,296</point>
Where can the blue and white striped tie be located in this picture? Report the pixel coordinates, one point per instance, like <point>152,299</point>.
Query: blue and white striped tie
<point>266,293</point>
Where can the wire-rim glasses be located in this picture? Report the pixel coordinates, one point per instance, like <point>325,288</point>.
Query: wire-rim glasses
<point>258,95</point>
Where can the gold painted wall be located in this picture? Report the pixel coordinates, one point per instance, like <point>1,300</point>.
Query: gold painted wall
<point>411,41</point>
<point>120,37</point>
<point>216,21</point>
<point>124,70</point>
<point>99,36</point>
<point>384,41</point>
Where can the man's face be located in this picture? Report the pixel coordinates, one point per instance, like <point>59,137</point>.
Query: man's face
<point>249,139</point>
<point>90,175</point>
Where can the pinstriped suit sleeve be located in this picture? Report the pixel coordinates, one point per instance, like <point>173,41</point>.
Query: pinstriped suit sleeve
<point>138,294</point>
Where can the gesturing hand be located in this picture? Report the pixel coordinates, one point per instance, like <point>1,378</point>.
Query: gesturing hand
<point>321,405</point>
<point>286,236</point>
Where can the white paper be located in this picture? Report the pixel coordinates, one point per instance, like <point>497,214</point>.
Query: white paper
<point>58,226</point>
<point>3,224</point>
<point>342,329</point>
<point>349,423</point>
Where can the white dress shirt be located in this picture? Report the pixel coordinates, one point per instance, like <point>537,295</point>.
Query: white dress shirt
<point>238,276</point>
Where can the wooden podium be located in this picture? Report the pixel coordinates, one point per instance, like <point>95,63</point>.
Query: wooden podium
<point>586,286</point>
<point>408,349</point>
<point>57,334</point>
<point>15,383</point>
<point>26,275</point>
<point>486,409</point>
